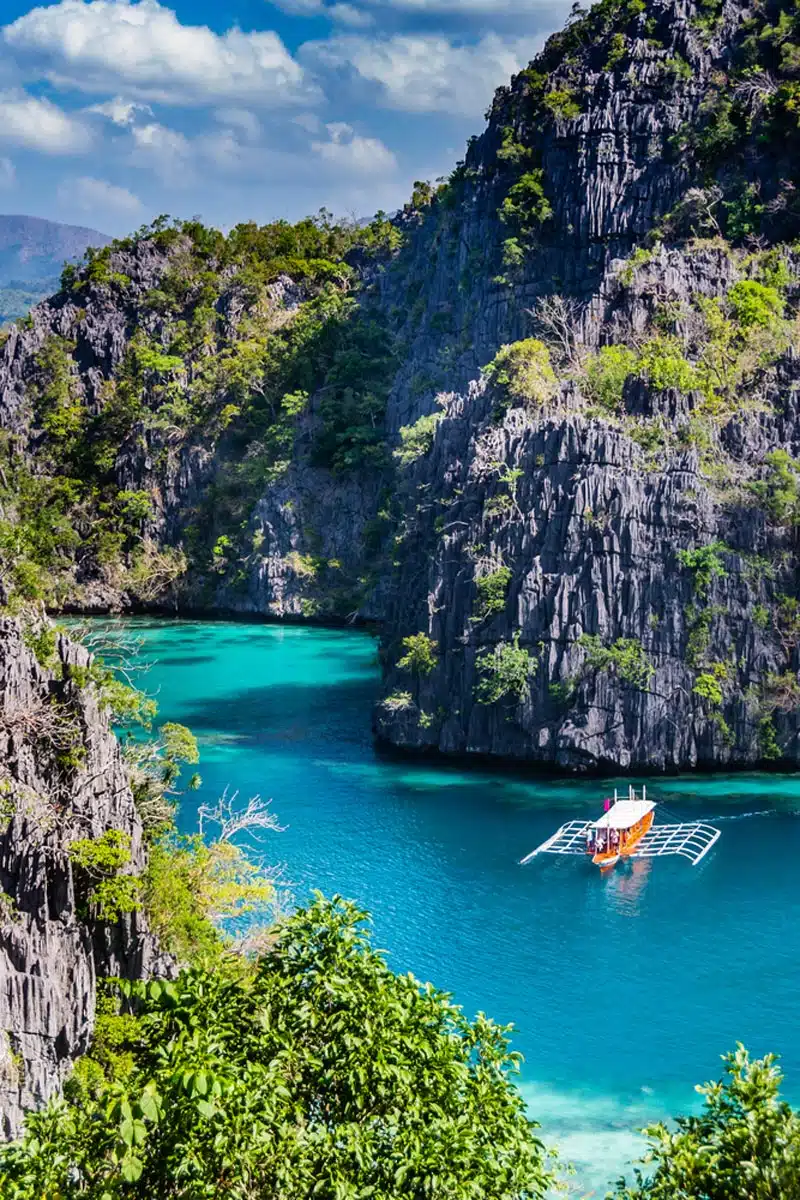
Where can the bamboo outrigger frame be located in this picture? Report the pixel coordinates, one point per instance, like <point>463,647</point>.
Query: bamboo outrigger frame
<point>626,831</point>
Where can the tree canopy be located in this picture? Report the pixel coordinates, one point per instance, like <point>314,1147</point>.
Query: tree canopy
<point>745,1145</point>
<point>313,1071</point>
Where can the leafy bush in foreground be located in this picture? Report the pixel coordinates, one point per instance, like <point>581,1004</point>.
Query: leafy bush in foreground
<point>744,1145</point>
<point>315,1071</point>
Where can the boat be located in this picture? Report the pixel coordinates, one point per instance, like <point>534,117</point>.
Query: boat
<point>627,830</point>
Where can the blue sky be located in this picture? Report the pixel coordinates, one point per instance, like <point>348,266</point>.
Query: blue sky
<point>113,111</point>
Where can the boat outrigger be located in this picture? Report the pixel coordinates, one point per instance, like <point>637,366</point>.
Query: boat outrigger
<point>626,830</point>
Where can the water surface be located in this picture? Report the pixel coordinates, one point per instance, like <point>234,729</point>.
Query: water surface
<point>624,989</point>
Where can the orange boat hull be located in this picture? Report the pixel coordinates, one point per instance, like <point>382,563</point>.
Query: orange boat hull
<point>628,841</point>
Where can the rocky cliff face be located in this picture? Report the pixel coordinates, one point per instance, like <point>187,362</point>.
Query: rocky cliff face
<point>553,533</point>
<point>553,440</point>
<point>61,780</point>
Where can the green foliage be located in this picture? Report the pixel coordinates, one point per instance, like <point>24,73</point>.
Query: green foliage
<point>315,1071</point>
<point>617,49</point>
<point>42,640</point>
<point>768,744</point>
<point>526,206</point>
<point>779,493</point>
<point>421,654</point>
<point>101,860</point>
<point>663,364</point>
<point>523,372</point>
<point>490,592</point>
<point>562,103</point>
<point>504,671</point>
<point>191,888</point>
<point>705,564</point>
<point>755,305</point>
<point>709,688</point>
<point>417,439</point>
<point>57,404</point>
<point>606,372</point>
<point>745,1143</point>
<point>625,657</point>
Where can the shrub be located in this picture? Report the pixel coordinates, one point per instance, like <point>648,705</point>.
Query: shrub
<point>398,702</point>
<point>101,860</point>
<point>524,372</point>
<point>562,103</point>
<point>314,1071</point>
<point>755,304</point>
<point>606,372</point>
<point>626,657</point>
<point>526,206</point>
<point>420,656</point>
<point>504,671</point>
<point>779,493</point>
<point>617,49</point>
<point>417,439</point>
<point>663,364</point>
<point>745,1143</point>
<point>705,564</point>
<point>491,591</point>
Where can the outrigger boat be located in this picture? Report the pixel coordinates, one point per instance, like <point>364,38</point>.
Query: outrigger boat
<point>626,830</point>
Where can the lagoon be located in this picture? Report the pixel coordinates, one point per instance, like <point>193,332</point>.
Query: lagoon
<point>624,990</point>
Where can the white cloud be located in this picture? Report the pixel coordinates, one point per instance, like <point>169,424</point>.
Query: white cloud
<point>165,151</point>
<point>239,118</point>
<point>38,124</point>
<point>98,45</point>
<point>8,174</point>
<point>425,72</point>
<point>98,196</point>
<point>121,112</point>
<point>344,13</point>
<point>349,151</point>
<point>348,14</point>
<point>550,12</point>
<point>308,121</point>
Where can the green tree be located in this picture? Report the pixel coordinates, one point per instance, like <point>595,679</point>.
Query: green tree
<point>420,654</point>
<point>504,671</point>
<point>744,1146</point>
<point>523,371</point>
<point>626,658</point>
<point>313,1072</point>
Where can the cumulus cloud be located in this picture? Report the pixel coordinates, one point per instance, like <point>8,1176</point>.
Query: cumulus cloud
<point>98,45</point>
<point>548,10</point>
<point>8,174</point>
<point>425,72</point>
<point>165,151</point>
<point>121,112</point>
<point>98,196</point>
<point>344,13</point>
<point>348,14</point>
<point>38,124</point>
<point>349,151</point>
<point>240,119</point>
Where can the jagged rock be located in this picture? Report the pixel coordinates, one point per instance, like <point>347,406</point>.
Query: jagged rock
<point>51,954</point>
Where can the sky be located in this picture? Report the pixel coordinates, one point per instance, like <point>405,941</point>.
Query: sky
<point>115,111</point>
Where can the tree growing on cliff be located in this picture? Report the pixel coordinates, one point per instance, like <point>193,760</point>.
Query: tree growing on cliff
<point>313,1072</point>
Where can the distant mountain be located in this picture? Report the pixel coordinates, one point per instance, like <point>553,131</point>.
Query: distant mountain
<point>32,253</point>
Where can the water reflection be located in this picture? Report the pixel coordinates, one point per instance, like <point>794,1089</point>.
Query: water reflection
<point>625,886</point>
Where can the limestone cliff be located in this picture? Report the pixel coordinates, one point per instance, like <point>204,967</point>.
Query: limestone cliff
<point>542,425</point>
<point>61,780</point>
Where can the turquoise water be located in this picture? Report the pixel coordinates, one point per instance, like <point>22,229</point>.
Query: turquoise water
<point>624,989</point>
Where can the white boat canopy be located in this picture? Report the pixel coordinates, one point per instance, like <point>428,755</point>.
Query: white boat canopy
<point>624,814</point>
